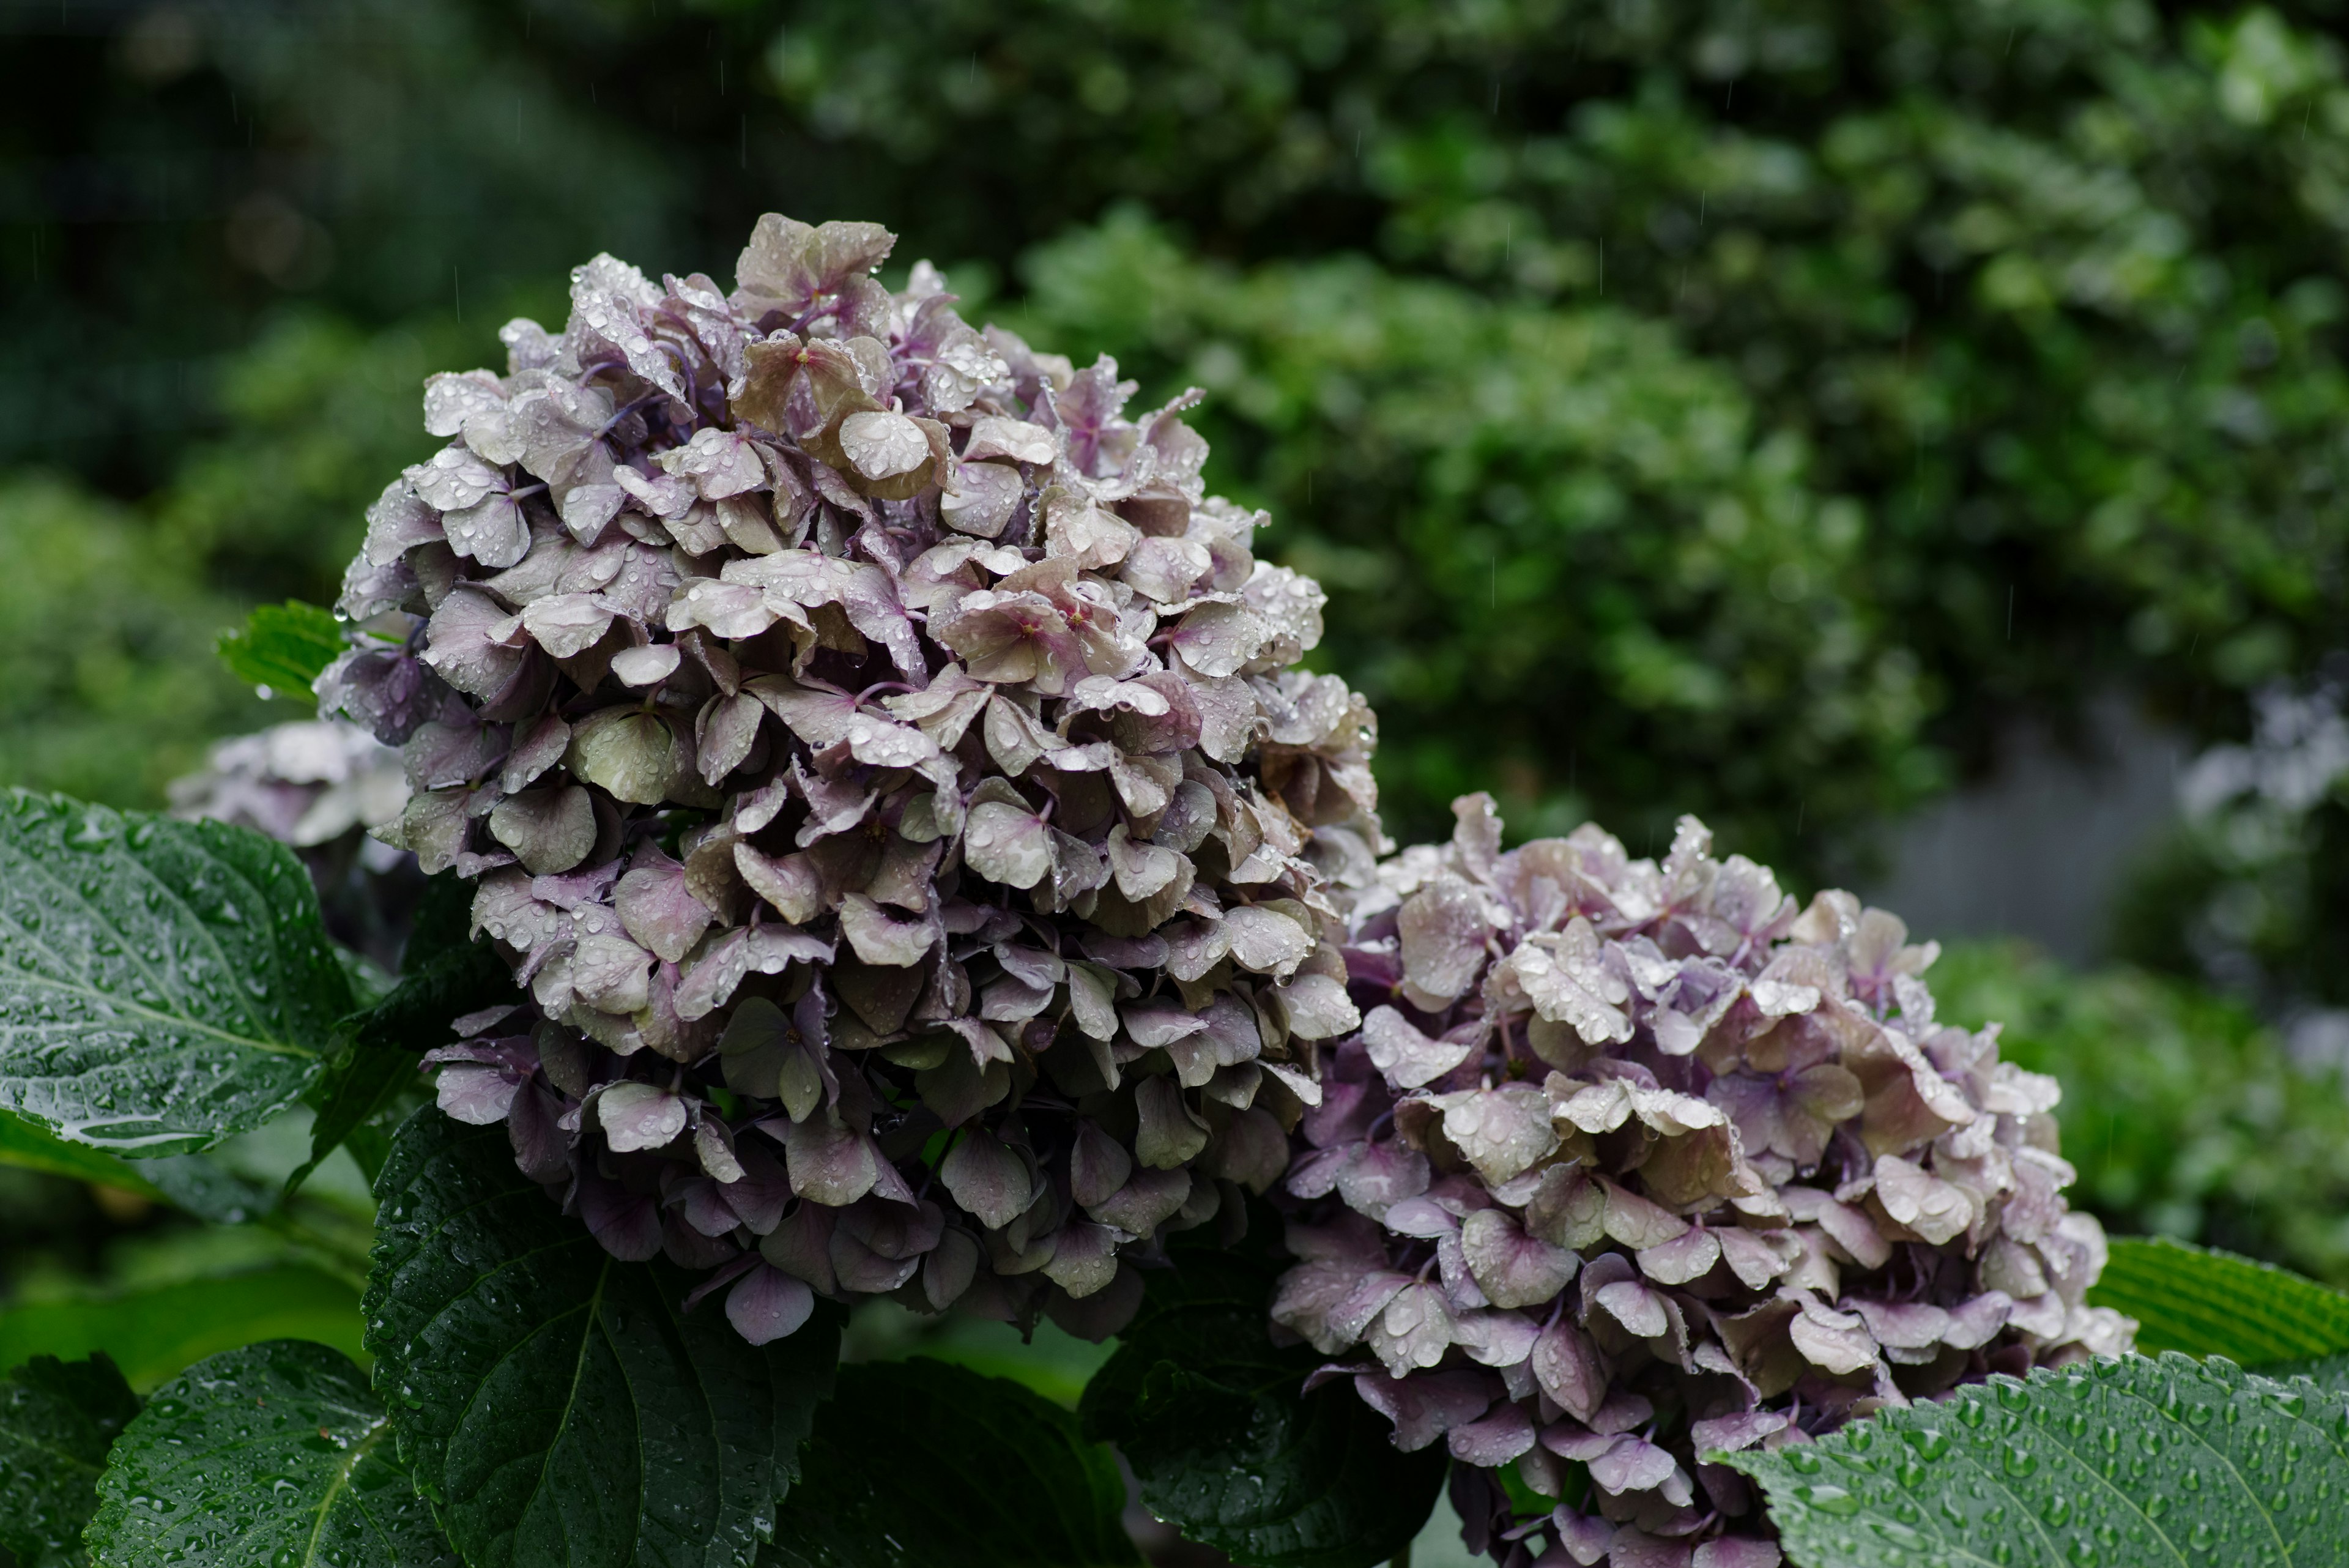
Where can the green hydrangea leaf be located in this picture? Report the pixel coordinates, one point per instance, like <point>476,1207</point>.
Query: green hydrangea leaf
<point>2123,1463</point>
<point>269,1456</point>
<point>283,648</point>
<point>57,1418</point>
<point>919,1463</point>
<point>562,1408</point>
<point>154,1334</point>
<point>200,1184</point>
<point>164,984</point>
<point>1210,1414</point>
<point>2207,1302</point>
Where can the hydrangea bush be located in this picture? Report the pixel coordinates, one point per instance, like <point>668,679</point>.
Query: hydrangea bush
<point>1631,1163</point>
<point>876,843</point>
<point>862,736</point>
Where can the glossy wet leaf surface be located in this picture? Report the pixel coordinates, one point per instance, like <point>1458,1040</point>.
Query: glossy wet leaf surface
<point>2123,1463</point>
<point>274,1455</point>
<point>164,984</point>
<point>444,974</point>
<point>29,1146</point>
<point>562,1408</point>
<point>57,1418</point>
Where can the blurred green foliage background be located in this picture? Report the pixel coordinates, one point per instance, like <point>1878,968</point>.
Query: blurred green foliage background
<point>1754,408</point>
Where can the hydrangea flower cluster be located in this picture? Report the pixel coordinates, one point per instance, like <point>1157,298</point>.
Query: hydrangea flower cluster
<point>1631,1163</point>
<point>882,764</point>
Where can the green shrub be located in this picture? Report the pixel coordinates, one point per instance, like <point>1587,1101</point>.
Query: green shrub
<point>2037,299</point>
<point>109,686</point>
<point>316,407</point>
<point>1565,556</point>
<point>2048,291</point>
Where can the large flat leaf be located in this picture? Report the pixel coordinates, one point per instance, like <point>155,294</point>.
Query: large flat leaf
<point>2124,1462</point>
<point>162,984</point>
<point>153,1334</point>
<point>1208,1412</point>
<point>916,1463</point>
<point>562,1408</point>
<point>2215,1304</point>
<point>271,1456</point>
<point>57,1421</point>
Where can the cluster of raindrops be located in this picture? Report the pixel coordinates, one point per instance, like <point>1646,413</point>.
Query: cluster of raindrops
<point>1630,1163</point>
<point>2110,1462</point>
<point>886,768</point>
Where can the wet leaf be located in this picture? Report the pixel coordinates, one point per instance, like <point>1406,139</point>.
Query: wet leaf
<point>29,1146</point>
<point>271,1456</point>
<point>2207,1302</point>
<point>2124,1460</point>
<point>57,1418</point>
<point>283,648</point>
<point>1229,1450</point>
<point>559,1407</point>
<point>164,984</point>
<point>444,974</point>
<point>197,1183</point>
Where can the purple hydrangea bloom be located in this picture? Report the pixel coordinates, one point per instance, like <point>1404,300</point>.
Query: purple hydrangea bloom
<point>883,765</point>
<point>1629,1164</point>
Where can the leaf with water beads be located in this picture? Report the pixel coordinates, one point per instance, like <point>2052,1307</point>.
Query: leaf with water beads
<point>2117,1463</point>
<point>2209,1302</point>
<point>562,1408</point>
<point>29,1146</point>
<point>164,985</point>
<point>2324,1371</point>
<point>57,1418</point>
<point>271,1456</point>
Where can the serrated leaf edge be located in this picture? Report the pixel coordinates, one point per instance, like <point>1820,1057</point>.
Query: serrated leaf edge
<point>1755,1464</point>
